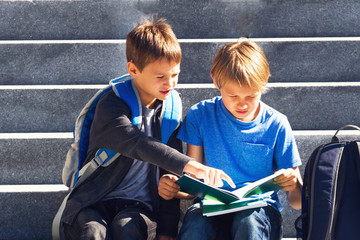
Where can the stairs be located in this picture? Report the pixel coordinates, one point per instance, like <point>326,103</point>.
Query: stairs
<point>56,54</point>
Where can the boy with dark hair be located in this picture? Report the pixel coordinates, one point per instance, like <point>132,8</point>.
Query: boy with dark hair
<point>120,201</point>
<point>244,137</point>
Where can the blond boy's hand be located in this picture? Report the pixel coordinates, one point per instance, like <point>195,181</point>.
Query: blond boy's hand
<point>289,180</point>
<point>211,176</point>
<point>167,188</point>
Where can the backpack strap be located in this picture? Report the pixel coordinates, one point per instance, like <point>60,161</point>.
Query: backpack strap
<point>103,157</point>
<point>358,160</point>
<point>125,89</point>
<point>171,115</point>
<point>335,139</point>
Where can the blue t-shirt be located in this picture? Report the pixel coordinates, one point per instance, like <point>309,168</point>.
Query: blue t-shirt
<point>246,151</point>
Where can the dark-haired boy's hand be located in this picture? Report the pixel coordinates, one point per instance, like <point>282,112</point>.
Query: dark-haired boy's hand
<point>211,176</point>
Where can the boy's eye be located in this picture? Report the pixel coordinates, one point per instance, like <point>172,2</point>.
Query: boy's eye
<point>254,96</point>
<point>159,77</point>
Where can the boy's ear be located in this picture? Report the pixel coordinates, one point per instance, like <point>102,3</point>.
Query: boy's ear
<point>132,69</point>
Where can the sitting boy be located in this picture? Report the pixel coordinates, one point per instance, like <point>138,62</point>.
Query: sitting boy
<point>244,137</point>
<point>120,201</point>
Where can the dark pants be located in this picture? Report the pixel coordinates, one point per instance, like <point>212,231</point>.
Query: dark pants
<point>113,219</point>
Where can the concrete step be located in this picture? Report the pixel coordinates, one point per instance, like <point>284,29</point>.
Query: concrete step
<point>27,211</point>
<point>38,158</point>
<point>33,158</point>
<point>308,106</point>
<point>190,19</point>
<point>97,61</point>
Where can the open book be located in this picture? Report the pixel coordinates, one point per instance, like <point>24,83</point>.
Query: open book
<point>197,188</point>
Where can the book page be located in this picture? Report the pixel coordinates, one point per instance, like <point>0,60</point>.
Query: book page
<point>263,185</point>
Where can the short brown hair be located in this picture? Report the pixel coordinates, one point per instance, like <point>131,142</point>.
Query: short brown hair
<point>150,41</point>
<point>243,62</point>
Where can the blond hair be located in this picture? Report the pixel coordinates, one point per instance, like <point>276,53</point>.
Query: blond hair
<point>150,41</point>
<point>242,62</point>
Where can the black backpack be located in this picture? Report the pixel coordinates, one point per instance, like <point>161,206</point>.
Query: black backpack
<point>331,192</point>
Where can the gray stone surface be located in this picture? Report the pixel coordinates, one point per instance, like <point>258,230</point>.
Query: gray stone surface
<point>61,63</point>
<point>32,161</point>
<point>55,110</point>
<point>316,108</point>
<point>28,215</point>
<point>98,62</point>
<point>190,19</point>
<point>42,110</point>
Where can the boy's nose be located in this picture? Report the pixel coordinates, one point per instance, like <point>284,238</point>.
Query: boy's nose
<point>241,105</point>
<point>171,81</point>
<point>167,81</point>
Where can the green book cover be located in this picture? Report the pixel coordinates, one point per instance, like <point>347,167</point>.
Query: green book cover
<point>199,189</point>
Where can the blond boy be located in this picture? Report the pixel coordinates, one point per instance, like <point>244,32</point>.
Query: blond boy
<point>244,137</point>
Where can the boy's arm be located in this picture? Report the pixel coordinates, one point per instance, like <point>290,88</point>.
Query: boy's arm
<point>195,152</point>
<point>113,129</point>
<point>292,183</point>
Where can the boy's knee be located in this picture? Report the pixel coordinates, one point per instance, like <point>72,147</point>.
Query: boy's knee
<point>94,230</point>
<point>195,225</point>
<point>133,226</point>
<point>90,230</point>
<point>88,224</point>
<point>262,223</point>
